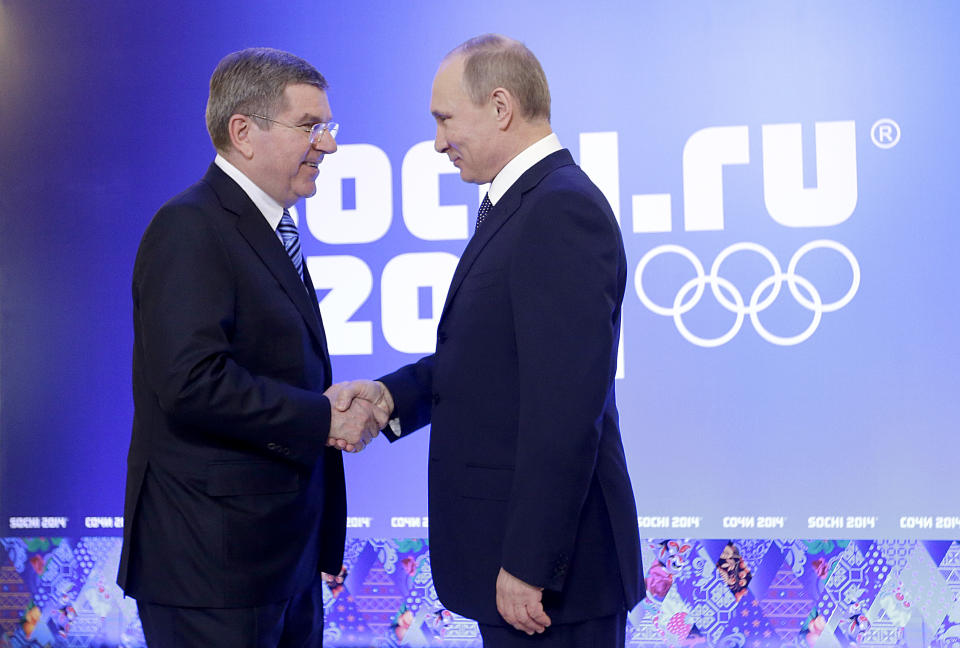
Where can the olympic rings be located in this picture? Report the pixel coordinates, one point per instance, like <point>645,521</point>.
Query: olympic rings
<point>719,285</point>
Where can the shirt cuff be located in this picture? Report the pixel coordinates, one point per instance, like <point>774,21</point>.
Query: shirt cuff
<point>394,425</point>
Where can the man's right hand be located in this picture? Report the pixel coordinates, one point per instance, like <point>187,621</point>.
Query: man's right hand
<point>361,408</point>
<point>352,429</point>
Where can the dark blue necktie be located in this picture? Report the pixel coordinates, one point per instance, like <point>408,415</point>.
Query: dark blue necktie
<point>485,208</point>
<point>291,241</point>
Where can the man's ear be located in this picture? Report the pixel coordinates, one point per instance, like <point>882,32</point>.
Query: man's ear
<point>241,129</point>
<point>503,102</point>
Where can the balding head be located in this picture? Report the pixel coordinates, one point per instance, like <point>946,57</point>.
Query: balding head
<point>493,61</point>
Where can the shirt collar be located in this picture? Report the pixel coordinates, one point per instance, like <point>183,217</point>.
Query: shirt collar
<point>270,208</point>
<point>519,165</point>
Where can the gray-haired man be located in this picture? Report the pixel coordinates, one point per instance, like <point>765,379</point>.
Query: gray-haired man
<point>234,502</point>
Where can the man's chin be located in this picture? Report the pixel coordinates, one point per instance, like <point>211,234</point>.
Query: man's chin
<point>306,190</point>
<point>472,177</point>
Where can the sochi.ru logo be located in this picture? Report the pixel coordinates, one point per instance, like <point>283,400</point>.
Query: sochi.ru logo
<point>831,202</point>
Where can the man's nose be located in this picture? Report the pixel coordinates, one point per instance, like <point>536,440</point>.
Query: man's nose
<point>439,142</point>
<point>326,143</point>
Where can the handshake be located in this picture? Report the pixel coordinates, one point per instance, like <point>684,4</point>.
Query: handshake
<point>359,409</point>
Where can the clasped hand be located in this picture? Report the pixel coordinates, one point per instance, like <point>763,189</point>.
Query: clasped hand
<point>359,410</point>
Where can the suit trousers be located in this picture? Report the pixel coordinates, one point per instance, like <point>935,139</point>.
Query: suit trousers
<point>604,632</point>
<point>294,623</point>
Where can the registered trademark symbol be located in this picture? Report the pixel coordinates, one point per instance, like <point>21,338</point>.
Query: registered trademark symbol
<point>885,133</point>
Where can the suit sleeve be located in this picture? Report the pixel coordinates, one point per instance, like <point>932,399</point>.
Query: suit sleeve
<point>412,390</point>
<point>184,303</point>
<point>564,291</point>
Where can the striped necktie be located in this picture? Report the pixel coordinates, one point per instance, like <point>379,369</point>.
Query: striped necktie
<point>485,208</point>
<point>291,241</point>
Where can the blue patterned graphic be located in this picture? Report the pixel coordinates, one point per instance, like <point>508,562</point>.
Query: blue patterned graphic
<point>61,592</point>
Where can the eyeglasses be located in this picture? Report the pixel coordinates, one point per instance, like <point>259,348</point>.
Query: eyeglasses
<point>316,130</point>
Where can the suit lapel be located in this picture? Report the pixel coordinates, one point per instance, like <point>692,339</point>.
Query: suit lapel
<point>254,228</point>
<point>316,309</point>
<point>505,208</point>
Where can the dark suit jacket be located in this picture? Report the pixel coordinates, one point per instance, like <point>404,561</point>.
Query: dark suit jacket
<point>232,498</point>
<point>526,465</point>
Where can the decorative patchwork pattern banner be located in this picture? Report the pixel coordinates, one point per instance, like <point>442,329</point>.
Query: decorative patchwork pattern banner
<point>752,593</point>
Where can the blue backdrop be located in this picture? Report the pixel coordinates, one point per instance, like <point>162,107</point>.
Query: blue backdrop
<point>784,175</point>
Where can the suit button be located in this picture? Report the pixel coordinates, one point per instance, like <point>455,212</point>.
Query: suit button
<point>560,566</point>
<point>271,446</point>
<point>436,399</point>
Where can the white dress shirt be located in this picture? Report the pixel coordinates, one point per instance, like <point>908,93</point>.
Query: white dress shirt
<point>270,208</point>
<point>520,164</point>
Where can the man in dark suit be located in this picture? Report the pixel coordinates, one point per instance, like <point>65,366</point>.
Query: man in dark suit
<point>533,525</point>
<point>234,502</point>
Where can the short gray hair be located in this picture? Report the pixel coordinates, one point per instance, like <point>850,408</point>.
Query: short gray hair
<point>253,81</point>
<point>495,61</point>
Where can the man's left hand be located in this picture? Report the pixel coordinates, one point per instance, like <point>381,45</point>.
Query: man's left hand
<point>520,604</point>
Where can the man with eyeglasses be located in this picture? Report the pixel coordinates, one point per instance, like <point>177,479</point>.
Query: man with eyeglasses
<point>234,501</point>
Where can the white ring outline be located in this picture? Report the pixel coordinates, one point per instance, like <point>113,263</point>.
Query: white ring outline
<point>800,337</point>
<point>655,252</point>
<point>752,247</point>
<point>701,282</point>
<point>832,245</point>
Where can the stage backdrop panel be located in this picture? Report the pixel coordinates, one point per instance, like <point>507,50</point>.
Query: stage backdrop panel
<point>785,179</point>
